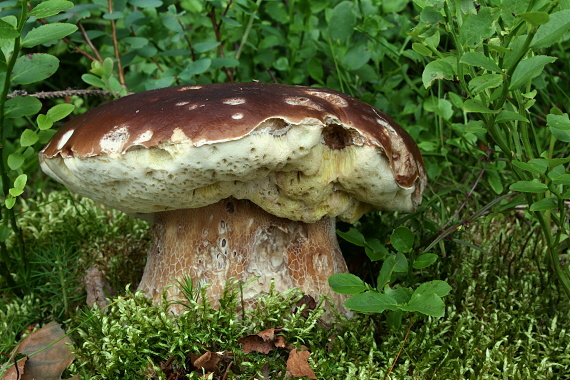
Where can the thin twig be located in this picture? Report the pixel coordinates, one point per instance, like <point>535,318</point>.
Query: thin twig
<point>271,75</point>
<point>187,39</point>
<point>88,40</point>
<point>59,94</point>
<point>116,48</point>
<point>479,177</point>
<point>401,349</point>
<point>217,26</point>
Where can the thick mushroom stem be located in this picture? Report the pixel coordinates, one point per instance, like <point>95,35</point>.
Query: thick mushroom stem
<point>236,238</point>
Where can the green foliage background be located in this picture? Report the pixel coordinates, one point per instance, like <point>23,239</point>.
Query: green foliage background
<point>481,86</point>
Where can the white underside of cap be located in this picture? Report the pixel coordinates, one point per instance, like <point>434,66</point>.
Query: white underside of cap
<point>292,175</point>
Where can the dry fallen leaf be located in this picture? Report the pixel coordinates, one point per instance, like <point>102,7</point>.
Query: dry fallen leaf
<point>15,372</point>
<point>310,304</point>
<point>298,364</point>
<point>49,363</point>
<point>207,361</point>
<point>264,341</point>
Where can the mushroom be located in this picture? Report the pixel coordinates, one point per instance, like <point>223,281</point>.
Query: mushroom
<point>240,180</point>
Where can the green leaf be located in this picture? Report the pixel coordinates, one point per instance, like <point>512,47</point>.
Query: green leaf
<point>428,304</point>
<point>375,250</point>
<point>342,21</point>
<point>533,186</point>
<point>422,49</point>
<point>438,287</point>
<point>559,126</point>
<point>535,18</point>
<point>402,239</point>
<point>506,116</point>
<point>202,47</point>
<point>5,233</point>
<point>424,261</point>
<point>475,58</point>
<point>22,106</point>
<point>20,182</point>
<point>563,179</point>
<point>483,82</point>
<point>44,122</point>
<point>356,57</point>
<point>393,263</point>
<point>146,3</point>
<point>315,69</point>
<point>544,205</point>
<point>28,138</point>
<point>550,33</point>
<point>93,80</point>
<point>47,33</point>
<point>477,27</point>
<point>558,121</point>
<point>346,283</point>
<point>472,105</point>
<point>15,192</point>
<point>224,62</point>
<point>371,302</point>
<point>196,67</point>
<point>529,69</point>
<point>50,8</point>
<point>534,166</point>
<point>438,69</point>
<point>60,111</point>
<point>10,201</point>
<point>353,236</point>
<point>401,263</point>
<point>15,160</point>
<point>7,31</point>
<point>31,68</point>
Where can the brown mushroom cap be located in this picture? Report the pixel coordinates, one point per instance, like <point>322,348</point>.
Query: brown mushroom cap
<point>298,152</point>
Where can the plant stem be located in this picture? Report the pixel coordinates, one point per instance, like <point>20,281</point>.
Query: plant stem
<point>9,213</point>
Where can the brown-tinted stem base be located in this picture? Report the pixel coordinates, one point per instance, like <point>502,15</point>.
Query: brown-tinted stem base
<point>237,239</point>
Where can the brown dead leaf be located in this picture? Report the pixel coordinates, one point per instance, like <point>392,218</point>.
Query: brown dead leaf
<point>15,372</point>
<point>97,287</point>
<point>309,302</point>
<point>208,361</point>
<point>298,364</point>
<point>49,363</point>
<point>264,341</point>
